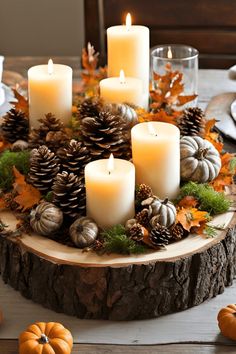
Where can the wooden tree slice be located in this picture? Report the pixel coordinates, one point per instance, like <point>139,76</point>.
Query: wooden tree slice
<point>117,287</point>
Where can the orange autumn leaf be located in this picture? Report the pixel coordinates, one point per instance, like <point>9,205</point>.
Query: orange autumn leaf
<point>3,204</point>
<point>185,99</point>
<point>191,217</point>
<point>28,195</point>
<point>225,177</point>
<point>22,103</point>
<point>168,89</point>
<point>4,145</point>
<point>188,202</point>
<point>211,136</point>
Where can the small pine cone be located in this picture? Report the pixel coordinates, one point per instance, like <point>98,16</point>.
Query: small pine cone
<point>51,133</point>
<point>43,168</point>
<point>90,107</point>
<point>74,157</point>
<point>177,232</point>
<point>143,217</point>
<point>69,194</point>
<point>136,232</point>
<point>159,236</point>
<point>104,134</point>
<point>15,126</point>
<point>143,192</point>
<point>192,122</point>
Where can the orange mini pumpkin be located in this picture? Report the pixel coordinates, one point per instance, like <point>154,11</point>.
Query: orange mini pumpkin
<point>45,338</point>
<point>227,321</point>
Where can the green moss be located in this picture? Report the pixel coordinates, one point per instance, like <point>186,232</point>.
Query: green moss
<point>209,200</point>
<point>8,159</point>
<point>116,241</point>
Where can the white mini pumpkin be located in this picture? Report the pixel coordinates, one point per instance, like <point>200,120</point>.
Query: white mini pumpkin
<point>199,160</point>
<point>163,212</point>
<point>83,232</point>
<point>46,219</point>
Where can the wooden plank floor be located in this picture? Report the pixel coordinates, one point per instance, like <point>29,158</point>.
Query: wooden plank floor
<point>11,347</point>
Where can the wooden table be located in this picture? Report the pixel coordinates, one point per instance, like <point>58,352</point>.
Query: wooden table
<point>211,82</point>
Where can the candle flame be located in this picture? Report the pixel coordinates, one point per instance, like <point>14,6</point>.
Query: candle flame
<point>50,67</point>
<point>169,53</point>
<point>151,129</point>
<point>128,21</point>
<point>122,77</point>
<point>110,164</point>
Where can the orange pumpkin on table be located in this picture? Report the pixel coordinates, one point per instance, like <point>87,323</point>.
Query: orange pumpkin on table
<point>45,338</point>
<point>227,321</point>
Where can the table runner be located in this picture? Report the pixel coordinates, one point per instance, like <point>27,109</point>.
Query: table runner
<point>198,324</point>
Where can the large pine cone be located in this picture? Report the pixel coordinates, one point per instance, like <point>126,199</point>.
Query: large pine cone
<point>15,126</point>
<point>160,236</point>
<point>90,107</point>
<point>51,133</point>
<point>192,122</point>
<point>69,194</point>
<point>104,135</point>
<point>43,168</point>
<point>74,157</point>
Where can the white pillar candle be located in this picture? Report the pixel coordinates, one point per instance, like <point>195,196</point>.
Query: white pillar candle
<point>121,89</point>
<point>156,156</point>
<point>128,48</point>
<point>110,186</point>
<point>50,91</point>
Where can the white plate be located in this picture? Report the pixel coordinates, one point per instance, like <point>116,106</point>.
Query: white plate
<point>7,97</point>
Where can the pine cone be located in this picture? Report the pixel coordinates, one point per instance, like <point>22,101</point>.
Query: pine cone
<point>143,217</point>
<point>74,157</point>
<point>69,194</point>
<point>15,126</point>
<point>159,236</point>
<point>51,133</point>
<point>104,134</point>
<point>177,232</point>
<point>90,107</point>
<point>143,192</point>
<point>136,232</point>
<point>192,122</point>
<point>43,168</point>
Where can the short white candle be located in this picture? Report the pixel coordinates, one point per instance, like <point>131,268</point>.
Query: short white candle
<point>128,48</point>
<point>110,186</point>
<point>122,89</point>
<point>156,156</point>
<point>50,91</point>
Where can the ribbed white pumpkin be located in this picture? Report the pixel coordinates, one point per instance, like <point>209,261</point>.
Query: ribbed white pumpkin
<point>163,212</point>
<point>125,111</point>
<point>46,219</point>
<point>83,232</point>
<point>199,160</point>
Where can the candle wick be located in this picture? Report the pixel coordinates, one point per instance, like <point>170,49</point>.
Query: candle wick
<point>109,172</point>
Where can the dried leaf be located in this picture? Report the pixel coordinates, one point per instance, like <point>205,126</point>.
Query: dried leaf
<point>168,89</point>
<point>4,145</point>
<point>188,202</point>
<point>22,103</point>
<point>28,195</point>
<point>191,217</point>
<point>225,177</point>
<point>185,99</point>
<point>211,136</point>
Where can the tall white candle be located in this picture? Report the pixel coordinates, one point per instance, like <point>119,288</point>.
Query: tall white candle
<point>128,48</point>
<point>156,156</point>
<point>110,186</point>
<point>122,89</point>
<point>50,91</point>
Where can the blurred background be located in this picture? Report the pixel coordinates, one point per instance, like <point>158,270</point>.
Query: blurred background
<point>61,27</point>
<point>41,27</point>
